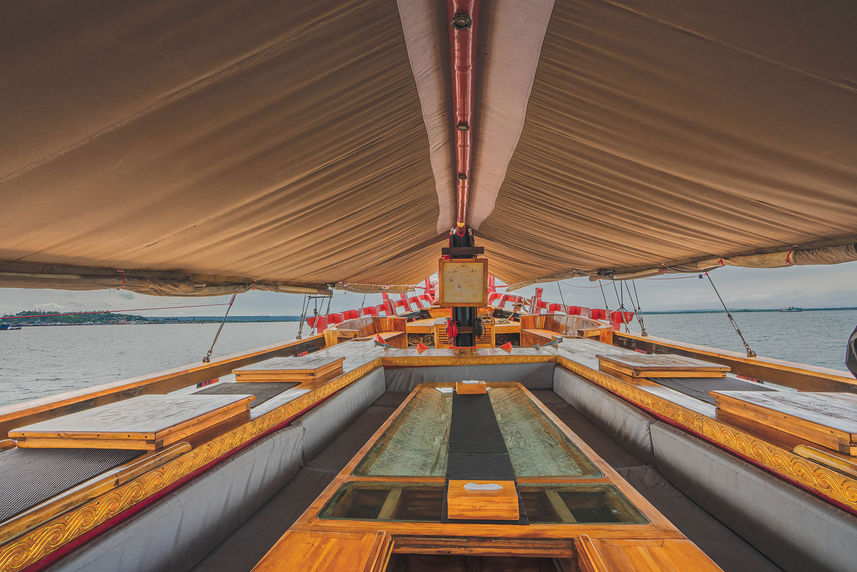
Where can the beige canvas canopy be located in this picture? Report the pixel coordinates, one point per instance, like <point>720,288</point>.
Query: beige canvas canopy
<point>201,148</point>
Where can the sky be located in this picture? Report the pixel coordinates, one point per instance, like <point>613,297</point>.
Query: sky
<point>803,286</point>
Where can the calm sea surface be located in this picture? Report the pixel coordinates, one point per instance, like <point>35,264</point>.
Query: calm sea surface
<point>40,361</point>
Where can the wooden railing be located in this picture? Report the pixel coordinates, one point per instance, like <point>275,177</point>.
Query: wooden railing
<point>795,375</point>
<point>20,414</point>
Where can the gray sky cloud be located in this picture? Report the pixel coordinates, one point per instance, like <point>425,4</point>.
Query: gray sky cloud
<point>805,286</point>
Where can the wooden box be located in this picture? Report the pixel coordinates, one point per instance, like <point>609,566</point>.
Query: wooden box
<point>464,504</point>
<point>470,387</point>
<point>462,282</point>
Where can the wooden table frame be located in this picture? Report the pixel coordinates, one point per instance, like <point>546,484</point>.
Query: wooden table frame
<point>547,540</point>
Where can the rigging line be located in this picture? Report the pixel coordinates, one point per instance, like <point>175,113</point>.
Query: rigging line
<point>674,278</point>
<point>108,311</point>
<point>329,300</point>
<point>304,308</point>
<point>314,329</point>
<point>576,286</point>
<point>207,357</point>
<point>603,295</point>
<point>621,301</point>
<point>561,297</point>
<point>638,311</point>
<point>750,352</point>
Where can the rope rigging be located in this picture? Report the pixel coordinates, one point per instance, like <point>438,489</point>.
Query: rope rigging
<point>750,352</point>
<point>603,295</point>
<point>570,285</point>
<point>207,357</point>
<point>621,301</point>
<point>314,299</point>
<point>304,308</point>
<point>638,311</point>
<point>329,300</point>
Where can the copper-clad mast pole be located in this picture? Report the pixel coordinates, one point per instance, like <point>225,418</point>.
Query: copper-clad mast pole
<point>462,45</point>
<point>463,326</point>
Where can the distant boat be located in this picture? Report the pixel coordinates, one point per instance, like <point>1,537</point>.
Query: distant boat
<point>792,309</point>
<point>8,327</point>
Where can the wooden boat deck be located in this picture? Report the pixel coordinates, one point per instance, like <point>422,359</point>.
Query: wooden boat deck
<point>246,546</point>
<point>828,471</point>
<point>700,388</point>
<point>665,397</point>
<point>594,498</point>
<point>691,393</point>
<point>261,391</point>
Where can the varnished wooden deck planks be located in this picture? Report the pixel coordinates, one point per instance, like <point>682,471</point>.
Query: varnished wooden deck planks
<point>484,538</point>
<point>346,551</point>
<point>621,555</point>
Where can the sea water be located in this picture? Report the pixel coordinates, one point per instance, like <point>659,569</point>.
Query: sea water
<point>40,361</point>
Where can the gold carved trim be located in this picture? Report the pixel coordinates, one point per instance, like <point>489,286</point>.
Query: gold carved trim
<point>39,542</point>
<point>826,481</point>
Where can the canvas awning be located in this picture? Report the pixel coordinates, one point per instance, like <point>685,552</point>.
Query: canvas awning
<point>185,148</point>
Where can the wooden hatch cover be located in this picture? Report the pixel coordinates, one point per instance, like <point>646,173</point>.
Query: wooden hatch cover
<point>147,422</point>
<point>307,369</point>
<point>827,419</point>
<point>660,365</point>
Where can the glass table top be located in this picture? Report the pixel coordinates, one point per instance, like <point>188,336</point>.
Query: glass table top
<point>415,445</point>
<point>562,485</point>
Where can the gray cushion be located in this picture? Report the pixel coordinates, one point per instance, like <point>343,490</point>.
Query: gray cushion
<point>325,422</point>
<point>624,423</point>
<point>180,529</point>
<point>791,527</point>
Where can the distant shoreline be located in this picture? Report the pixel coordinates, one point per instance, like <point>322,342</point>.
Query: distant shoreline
<point>158,320</point>
<point>720,310</point>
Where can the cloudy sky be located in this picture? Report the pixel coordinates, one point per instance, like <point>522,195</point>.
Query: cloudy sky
<point>806,286</point>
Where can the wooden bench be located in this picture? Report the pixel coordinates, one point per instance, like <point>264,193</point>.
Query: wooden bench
<point>391,329</point>
<point>542,328</point>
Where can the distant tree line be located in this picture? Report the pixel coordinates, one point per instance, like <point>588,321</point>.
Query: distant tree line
<point>41,317</point>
